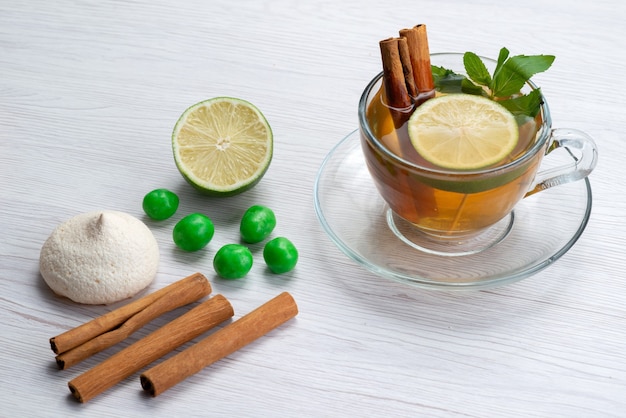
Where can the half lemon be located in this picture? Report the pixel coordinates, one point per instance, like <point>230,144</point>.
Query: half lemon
<point>222,146</point>
<point>463,131</point>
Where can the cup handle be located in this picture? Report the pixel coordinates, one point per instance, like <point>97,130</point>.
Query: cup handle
<point>582,163</point>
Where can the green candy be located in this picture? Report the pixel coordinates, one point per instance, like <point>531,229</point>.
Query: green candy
<point>280,255</point>
<point>232,261</point>
<point>257,223</point>
<point>193,232</point>
<point>160,204</point>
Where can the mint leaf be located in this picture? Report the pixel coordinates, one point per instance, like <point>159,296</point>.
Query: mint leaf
<point>476,69</point>
<point>447,81</point>
<point>527,105</point>
<point>502,56</point>
<point>470,88</point>
<point>440,72</point>
<point>505,85</point>
<point>516,71</point>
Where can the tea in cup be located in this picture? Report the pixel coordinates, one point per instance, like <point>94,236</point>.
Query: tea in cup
<point>445,205</point>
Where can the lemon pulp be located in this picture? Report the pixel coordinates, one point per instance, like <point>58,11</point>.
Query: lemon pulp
<point>222,146</point>
<point>463,132</point>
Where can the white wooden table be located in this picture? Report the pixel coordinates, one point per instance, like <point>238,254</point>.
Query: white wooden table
<point>89,94</point>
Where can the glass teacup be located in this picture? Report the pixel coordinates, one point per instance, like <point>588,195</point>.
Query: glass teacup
<point>453,212</point>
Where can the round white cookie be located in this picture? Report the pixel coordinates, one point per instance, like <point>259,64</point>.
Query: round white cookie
<point>99,257</point>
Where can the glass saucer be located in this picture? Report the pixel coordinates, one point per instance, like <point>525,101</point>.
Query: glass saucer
<point>545,227</point>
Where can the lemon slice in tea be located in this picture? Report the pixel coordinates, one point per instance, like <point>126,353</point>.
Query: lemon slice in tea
<point>463,132</point>
<point>222,146</point>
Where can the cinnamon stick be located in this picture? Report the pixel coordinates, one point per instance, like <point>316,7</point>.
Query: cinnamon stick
<point>407,68</point>
<point>413,57</point>
<point>396,91</point>
<point>219,344</point>
<point>85,340</point>
<point>150,348</point>
<point>419,51</point>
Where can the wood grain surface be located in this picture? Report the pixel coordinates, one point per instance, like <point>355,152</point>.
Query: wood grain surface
<point>89,94</point>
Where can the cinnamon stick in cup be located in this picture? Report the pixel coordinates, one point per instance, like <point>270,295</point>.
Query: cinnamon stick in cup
<point>407,68</point>
<point>396,88</point>
<point>94,336</point>
<point>150,348</point>
<point>400,95</point>
<point>219,344</point>
<point>417,40</point>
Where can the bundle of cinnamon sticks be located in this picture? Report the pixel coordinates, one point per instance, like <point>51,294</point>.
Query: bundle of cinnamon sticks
<point>85,340</point>
<point>407,75</point>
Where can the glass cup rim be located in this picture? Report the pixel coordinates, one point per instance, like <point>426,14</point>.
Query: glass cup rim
<point>544,131</point>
